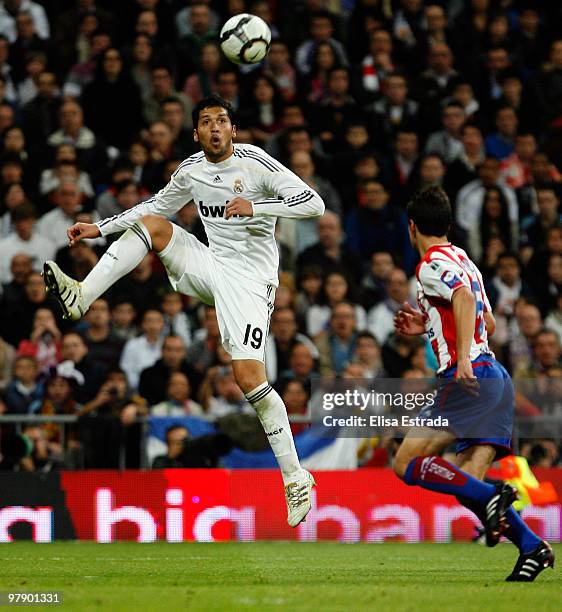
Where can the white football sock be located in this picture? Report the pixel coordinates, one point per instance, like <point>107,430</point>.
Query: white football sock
<point>273,416</point>
<point>121,257</point>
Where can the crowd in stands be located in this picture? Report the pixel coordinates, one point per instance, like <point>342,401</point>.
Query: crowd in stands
<point>367,101</point>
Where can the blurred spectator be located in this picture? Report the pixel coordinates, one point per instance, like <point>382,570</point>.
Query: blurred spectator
<point>374,282</point>
<point>44,342</point>
<point>173,115</point>
<point>221,395</point>
<point>500,144</point>
<point>337,345</point>
<point>184,19</point>
<point>7,356</point>
<point>278,67</point>
<point>108,425</point>
<point>202,353</point>
<point>40,115</point>
<point>112,101</point>
<point>283,337</point>
<point>377,224</point>
<point>26,238</point>
<point>329,253</point>
<point>203,83</point>
<point>368,355</point>
<point>65,168</point>
<point>53,225</point>
<point>176,322</point>
<point>11,9</point>
<point>13,196</point>
<point>143,287</point>
<point>141,63</point>
<point>534,227</point>
<point>550,78</point>
<point>437,82</point>
<point>83,73</point>
<point>184,451</point>
<point>546,354</point>
<point>123,316</point>
<point>302,165</point>
<point>74,349</point>
<point>142,352</point>
<point>397,353</point>
<point>154,379</point>
<point>162,88</point>
<point>525,327</point>
<point>447,142</point>
<point>380,321</point>
<point>176,437</point>
<point>23,390</point>
<point>201,30</point>
<point>14,291</point>
<point>506,287</point>
<point>494,222</point>
<point>103,345</point>
<point>321,29</point>
<point>554,319</point>
<point>178,400</point>
<point>394,111</point>
<point>470,198</point>
<point>295,396</point>
<point>18,318</point>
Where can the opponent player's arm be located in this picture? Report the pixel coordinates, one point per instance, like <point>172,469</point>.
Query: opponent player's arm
<point>490,321</point>
<point>464,311</point>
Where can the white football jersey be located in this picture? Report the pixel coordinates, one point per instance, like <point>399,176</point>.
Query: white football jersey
<point>244,244</point>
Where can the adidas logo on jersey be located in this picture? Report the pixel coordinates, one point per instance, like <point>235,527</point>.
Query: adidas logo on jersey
<point>217,179</point>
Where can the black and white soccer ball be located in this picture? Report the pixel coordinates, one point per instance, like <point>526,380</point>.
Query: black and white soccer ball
<point>245,39</point>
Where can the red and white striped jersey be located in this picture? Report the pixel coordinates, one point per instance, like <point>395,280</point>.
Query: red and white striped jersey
<point>443,269</point>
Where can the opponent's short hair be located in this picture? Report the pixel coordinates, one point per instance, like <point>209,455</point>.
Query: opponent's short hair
<point>430,210</point>
<point>210,102</point>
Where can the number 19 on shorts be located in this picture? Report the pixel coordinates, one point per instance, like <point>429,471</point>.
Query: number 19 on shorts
<point>254,337</point>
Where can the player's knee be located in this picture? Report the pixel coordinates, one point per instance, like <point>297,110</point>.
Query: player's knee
<point>247,381</point>
<point>160,230</point>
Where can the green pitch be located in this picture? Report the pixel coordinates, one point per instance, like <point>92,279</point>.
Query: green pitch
<point>276,576</point>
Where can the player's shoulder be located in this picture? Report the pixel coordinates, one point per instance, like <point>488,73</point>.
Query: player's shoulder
<point>257,156</point>
<point>190,162</point>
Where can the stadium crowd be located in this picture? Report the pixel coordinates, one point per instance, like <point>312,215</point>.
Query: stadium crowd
<point>365,100</point>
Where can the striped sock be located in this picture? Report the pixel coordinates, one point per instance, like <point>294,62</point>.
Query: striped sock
<point>121,257</point>
<point>272,414</point>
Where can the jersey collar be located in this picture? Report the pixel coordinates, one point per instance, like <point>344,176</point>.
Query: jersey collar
<point>426,255</point>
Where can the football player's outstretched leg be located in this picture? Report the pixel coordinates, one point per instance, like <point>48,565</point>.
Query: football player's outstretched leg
<point>476,396</point>
<point>240,190</point>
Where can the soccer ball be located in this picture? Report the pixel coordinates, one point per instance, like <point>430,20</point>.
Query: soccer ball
<point>245,39</point>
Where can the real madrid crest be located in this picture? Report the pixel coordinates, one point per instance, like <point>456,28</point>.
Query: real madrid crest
<point>238,187</point>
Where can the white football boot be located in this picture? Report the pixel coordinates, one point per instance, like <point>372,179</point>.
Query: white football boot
<point>297,495</point>
<point>66,290</point>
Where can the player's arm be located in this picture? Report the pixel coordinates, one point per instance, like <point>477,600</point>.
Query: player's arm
<point>490,321</point>
<point>165,203</point>
<point>291,197</point>
<point>464,311</point>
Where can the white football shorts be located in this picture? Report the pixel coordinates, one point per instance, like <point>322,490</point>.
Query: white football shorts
<point>243,306</point>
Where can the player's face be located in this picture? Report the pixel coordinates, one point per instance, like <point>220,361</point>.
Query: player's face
<point>215,132</point>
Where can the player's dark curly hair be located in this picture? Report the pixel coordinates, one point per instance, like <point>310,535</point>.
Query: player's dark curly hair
<point>211,102</point>
<point>430,210</point>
